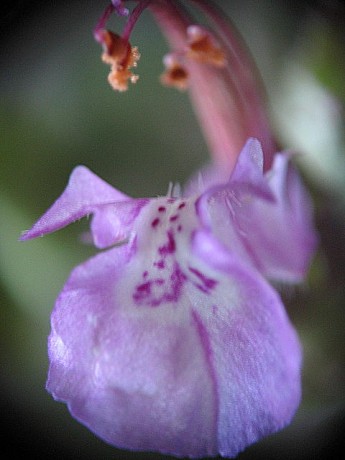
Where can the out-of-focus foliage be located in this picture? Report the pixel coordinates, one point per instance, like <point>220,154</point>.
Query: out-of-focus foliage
<point>309,102</point>
<point>57,111</point>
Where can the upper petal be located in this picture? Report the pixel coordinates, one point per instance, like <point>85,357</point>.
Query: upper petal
<point>248,170</point>
<point>265,219</point>
<point>247,174</point>
<point>87,194</point>
<point>284,239</point>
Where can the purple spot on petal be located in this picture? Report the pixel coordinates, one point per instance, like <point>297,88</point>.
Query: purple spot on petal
<point>155,222</point>
<point>145,274</point>
<point>159,291</point>
<point>169,247</point>
<point>159,264</point>
<point>162,209</point>
<point>144,293</point>
<point>173,218</point>
<point>179,228</point>
<point>207,283</point>
<point>144,288</point>
<point>177,279</point>
<point>182,205</point>
<point>201,288</point>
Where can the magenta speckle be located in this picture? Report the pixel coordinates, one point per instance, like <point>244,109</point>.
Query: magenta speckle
<point>161,209</point>
<point>157,291</point>
<point>144,288</point>
<point>159,264</point>
<point>201,288</point>
<point>144,292</point>
<point>179,228</point>
<point>169,247</point>
<point>182,205</point>
<point>173,218</point>
<point>155,222</point>
<point>145,274</point>
<point>177,279</point>
<point>207,283</point>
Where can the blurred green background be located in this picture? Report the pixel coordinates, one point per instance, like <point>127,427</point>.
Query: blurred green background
<point>57,111</point>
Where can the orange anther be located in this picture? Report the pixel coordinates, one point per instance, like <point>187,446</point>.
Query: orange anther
<point>175,74</point>
<point>121,56</point>
<point>203,47</point>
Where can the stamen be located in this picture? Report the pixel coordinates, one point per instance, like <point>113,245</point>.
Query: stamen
<point>203,47</point>
<point>213,64</point>
<point>142,5</point>
<point>118,52</point>
<point>175,74</point>
<point>99,29</point>
<point>121,56</point>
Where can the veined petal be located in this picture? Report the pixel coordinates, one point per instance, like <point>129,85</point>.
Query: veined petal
<point>284,238</point>
<point>265,219</point>
<point>208,248</point>
<point>255,357</point>
<point>248,171</point>
<point>87,194</point>
<point>137,376</point>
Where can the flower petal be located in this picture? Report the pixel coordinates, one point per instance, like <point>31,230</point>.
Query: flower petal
<point>248,170</point>
<point>265,219</point>
<point>87,194</point>
<point>209,249</point>
<point>137,376</point>
<point>284,238</point>
<point>84,192</point>
<point>255,358</point>
<point>112,223</point>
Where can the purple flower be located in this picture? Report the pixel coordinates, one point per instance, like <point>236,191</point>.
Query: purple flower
<point>172,339</point>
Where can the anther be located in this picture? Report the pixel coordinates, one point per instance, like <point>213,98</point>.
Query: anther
<point>121,56</point>
<point>203,47</point>
<point>175,74</point>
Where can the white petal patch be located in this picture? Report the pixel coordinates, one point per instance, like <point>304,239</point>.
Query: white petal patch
<point>163,269</point>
